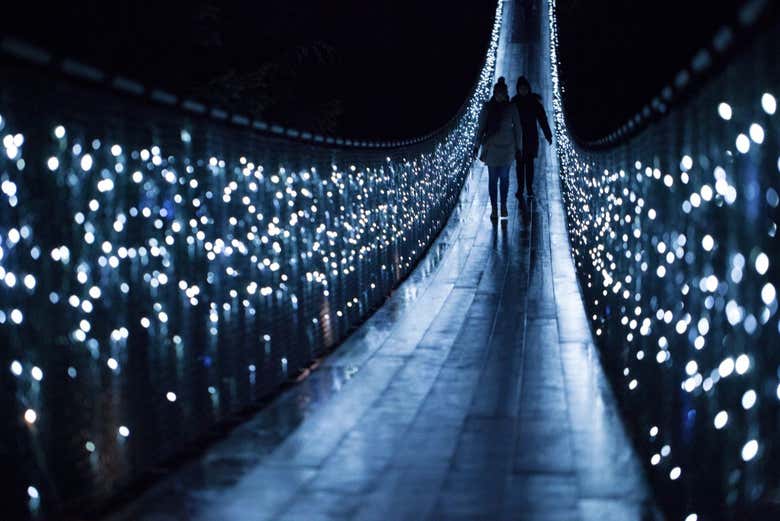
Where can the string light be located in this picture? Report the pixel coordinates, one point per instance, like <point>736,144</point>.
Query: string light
<point>673,233</point>
<point>161,269</point>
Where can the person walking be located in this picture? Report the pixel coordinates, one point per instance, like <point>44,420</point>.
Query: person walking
<point>500,135</point>
<point>529,107</point>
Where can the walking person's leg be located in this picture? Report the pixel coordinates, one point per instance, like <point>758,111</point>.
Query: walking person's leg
<point>529,175</point>
<point>503,177</point>
<point>492,182</point>
<point>519,169</point>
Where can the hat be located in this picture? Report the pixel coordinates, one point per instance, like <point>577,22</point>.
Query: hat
<point>500,86</point>
<point>523,81</point>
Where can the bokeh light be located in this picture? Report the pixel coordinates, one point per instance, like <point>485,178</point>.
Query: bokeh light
<point>161,271</point>
<point>673,230</point>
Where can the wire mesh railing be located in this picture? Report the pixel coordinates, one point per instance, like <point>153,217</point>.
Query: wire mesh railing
<point>160,271</point>
<point>673,225</point>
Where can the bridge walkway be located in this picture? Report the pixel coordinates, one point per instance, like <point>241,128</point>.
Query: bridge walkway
<point>475,392</point>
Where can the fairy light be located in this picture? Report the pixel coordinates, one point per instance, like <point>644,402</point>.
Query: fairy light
<point>724,110</point>
<point>169,261</point>
<point>673,234</point>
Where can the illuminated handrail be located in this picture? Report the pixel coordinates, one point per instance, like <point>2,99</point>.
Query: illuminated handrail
<point>672,223</point>
<point>160,271</point>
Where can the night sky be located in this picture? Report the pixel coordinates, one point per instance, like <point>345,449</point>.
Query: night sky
<point>616,55</point>
<point>386,68</point>
<point>379,68</point>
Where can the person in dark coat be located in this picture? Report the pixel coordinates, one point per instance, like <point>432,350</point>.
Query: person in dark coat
<point>531,111</point>
<point>500,136</point>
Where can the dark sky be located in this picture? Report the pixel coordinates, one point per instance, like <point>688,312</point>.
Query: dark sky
<point>387,68</point>
<point>616,55</point>
<point>368,68</point>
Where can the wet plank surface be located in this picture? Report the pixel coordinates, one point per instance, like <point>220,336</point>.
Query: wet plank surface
<point>474,393</point>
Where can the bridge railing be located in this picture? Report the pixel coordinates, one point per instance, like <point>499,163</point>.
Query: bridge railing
<point>673,227</point>
<point>161,271</point>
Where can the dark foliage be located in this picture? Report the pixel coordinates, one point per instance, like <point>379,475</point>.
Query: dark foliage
<point>616,55</point>
<point>366,69</point>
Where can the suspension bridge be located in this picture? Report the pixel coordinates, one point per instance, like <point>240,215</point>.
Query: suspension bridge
<point>207,317</point>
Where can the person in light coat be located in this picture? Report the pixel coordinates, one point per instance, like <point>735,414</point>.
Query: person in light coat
<point>500,134</point>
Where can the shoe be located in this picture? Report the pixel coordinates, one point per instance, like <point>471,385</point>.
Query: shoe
<point>504,213</point>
